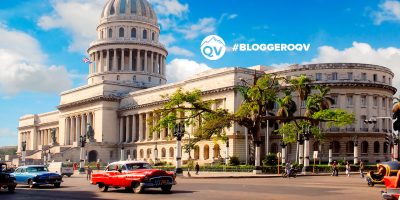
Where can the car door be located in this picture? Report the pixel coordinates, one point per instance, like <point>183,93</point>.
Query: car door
<point>18,175</point>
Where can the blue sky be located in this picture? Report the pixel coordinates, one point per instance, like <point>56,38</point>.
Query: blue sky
<point>43,42</point>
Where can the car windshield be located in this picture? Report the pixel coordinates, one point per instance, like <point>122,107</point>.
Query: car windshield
<point>37,169</point>
<point>133,166</point>
<point>67,164</point>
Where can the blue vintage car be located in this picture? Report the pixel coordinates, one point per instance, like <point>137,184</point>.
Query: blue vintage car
<point>35,175</point>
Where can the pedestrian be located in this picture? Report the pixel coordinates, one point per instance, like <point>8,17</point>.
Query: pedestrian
<point>89,173</point>
<point>288,166</point>
<point>98,166</point>
<point>197,168</point>
<point>335,171</point>
<point>362,169</point>
<point>348,168</point>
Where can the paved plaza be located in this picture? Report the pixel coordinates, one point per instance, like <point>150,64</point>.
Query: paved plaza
<point>302,187</point>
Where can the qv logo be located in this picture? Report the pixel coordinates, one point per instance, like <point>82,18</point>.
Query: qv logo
<point>213,47</point>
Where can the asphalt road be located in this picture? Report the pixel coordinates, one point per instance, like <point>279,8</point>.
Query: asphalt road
<point>318,187</point>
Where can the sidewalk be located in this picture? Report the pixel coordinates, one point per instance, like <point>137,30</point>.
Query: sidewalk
<point>206,175</point>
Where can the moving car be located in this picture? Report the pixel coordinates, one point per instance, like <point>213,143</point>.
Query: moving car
<point>62,168</point>
<point>133,175</point>
<point>7,181</point>
<point>35,175</point>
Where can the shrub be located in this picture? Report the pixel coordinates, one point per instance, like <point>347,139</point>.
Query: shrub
<point>270,160</point>
<point>234,161</point>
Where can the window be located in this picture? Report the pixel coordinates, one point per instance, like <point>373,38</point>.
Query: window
<point>141,153</point>
<point>145,34</point>
<point>384,79</point>
<point>363,76</point>
<point>122,7</point>
<point>349,100</point>
<point>110,33</point>
<point>134,78</point>
<point>152,36</point>
<point>163,153</point>
<point>133,6</point>
<point>335,147</point>
<point>318,76</point>
<point>384,102</point>
<point>376,147</point>
<point>385,147</point>
<point>216,151</point>
<point>375,78</point>
<point>148,153</point>
<point>133,33</point>
<point>363,101</point>
<point>206,152</point>
<point>196,152</point>
<point>121,32</point>
<point>171,152</point>
<point>117,77</point>
<point>334,76</point>
<point>350,75</point>
<point>390,81</point>
<point>149,79</point>
<point>364,147</point>
<point>350,147</point>
<point>335,100</point>
<point>362,119</point>
<point>375,101</point>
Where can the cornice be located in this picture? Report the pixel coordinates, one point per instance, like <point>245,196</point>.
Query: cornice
<point>112,98</point>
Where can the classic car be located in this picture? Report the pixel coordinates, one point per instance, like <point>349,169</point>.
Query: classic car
<point>35,175</point>
<point>133,175</point>
<point>392,184</point>
<point>7,180</point>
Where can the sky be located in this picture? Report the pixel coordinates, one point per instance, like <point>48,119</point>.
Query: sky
<point>42,42</point>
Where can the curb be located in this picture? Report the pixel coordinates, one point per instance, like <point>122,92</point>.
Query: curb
<point>255,176</point>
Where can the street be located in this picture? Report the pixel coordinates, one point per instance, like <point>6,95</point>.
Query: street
<point>307,187</point>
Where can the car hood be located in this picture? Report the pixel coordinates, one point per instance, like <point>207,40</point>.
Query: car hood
<point>40,174</point>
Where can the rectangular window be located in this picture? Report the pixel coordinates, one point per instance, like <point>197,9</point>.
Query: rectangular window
<point>350,75</point>
<point>384,102</point>
<point>350,100</point>
<point>318,76</point>
<point>384,79</point>
<point>362,119</point>
<point>335,99</point>
<point>375,78</point>
<point>334,76</point>
<point>375,101</point>
<point>363,76</point>
<point>363,101</point>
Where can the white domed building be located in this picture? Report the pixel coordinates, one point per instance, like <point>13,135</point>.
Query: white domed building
<point>126,79</point>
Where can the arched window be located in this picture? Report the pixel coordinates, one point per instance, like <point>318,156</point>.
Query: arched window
<point>134,154</point>
<point>152,36</point>
<point>133,33</point>
<point>117,77</point>
<point>274,148</point>
<point>196,152</point>
<point>128,154</point>
<point>110,33</point>
<point>121,32</point>
<point>141,153</point>
<point>216,151</point>
<point>148,153</point>
<point>316,146</point>
<point>335,147</point>
<point>376,147</point>
<point>206,152</point>
<point>364,147</point>
<point>145,34</point>
<point>171,152</point>
<point>385,148</point>
<point>163,153</point>
<point>350,147</point>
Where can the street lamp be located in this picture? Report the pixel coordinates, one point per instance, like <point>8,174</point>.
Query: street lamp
<point>23,145</point>
<point>155,154</point>
<point>307,135</point>
<point>48,156</point>
<point>82,141</point>
<point>122,152</point>
<point>179,131</point>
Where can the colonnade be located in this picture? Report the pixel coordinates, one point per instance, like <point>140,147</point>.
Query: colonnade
<point>75,126</point>
<point>44,136</point>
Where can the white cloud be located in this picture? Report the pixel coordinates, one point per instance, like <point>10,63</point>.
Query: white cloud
<point>202,27</point>
<point>78,17</point>
<point>388,11</point>
<point>232,16</point>
<point>167,39</point>
<point>181,69</point>
<point>170,7</point>
<point>281,65</point>
<point>180,51</point>
<point>5,132</point>
<point>362,53</point>
<point>22,67</point>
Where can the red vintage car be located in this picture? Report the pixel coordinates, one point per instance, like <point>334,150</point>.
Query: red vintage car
<point>133,175</point>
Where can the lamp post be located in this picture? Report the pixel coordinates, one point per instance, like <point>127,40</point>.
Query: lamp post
<point>307,134</point>
<point>300,142</point>
<point>23,145</point>
<point>179,131</point>
<point>122,152</point>
<point>48,156</point>
<point>82,141</point>
<point>155,154</point>
<point>283,145</point>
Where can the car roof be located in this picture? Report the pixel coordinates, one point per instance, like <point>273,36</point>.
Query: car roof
<point>31,166</point>
<point>127,162</point>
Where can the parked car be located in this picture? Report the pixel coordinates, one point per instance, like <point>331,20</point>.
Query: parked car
<point>62,168</point>
<point>35,175</point>
<point>133,175</point>
<point>7,180</point>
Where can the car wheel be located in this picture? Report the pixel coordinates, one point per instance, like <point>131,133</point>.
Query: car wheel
<point>69,176</point>
<point>128,189</point>
<point>103,188</point>
<point>166,188</point>
<point>11,188</point>
<point>137,188</point>
<point>57,185</point>
<point>30,184</point>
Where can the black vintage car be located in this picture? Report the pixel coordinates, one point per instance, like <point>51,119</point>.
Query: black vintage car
<point>7,181</point>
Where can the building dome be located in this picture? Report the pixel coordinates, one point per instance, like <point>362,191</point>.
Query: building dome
<point>140,10</point>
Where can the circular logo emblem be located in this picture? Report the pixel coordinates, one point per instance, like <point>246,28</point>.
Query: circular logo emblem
<point>213,47</point>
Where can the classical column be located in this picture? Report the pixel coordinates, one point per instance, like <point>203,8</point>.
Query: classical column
<point>66,132</point>
<point>71,131</point>
<point>133,128</point>
<point>107,67</point>
<point>163,65</point>
<point>158,71</point>
<point>145,62</point>
<point>130,67</point>
<point>38,138</point>
<point>151,62</point>
<point>114,67</point>
<point>42,137</point>
<point>77,128</point>
<point>141,127</point>
<point>83,124</point>
<point>127,131</point>
<point>138,68</point>
<point>122,59</point>
<point>121,129</point>
<point>147,129</point>
<point>101,65</point>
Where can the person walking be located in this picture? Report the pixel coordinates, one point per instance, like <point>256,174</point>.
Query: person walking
<point>348,168</point>
<point>335,171</point>
<point>197,168</point>
<point>89,173</point>
<point>362,169</point>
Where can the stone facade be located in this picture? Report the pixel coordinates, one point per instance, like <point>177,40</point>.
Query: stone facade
<point>127,78</point>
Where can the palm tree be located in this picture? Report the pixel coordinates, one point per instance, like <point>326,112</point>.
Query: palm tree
<point>319,101</point>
